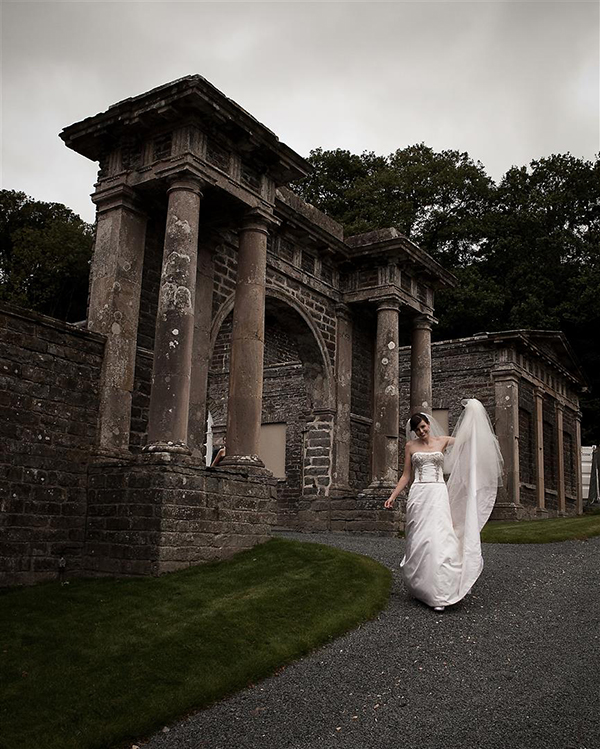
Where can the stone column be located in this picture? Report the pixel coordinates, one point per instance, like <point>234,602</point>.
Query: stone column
<point>386,406</point>
<point>341,469</point>
<point>560,448</point>
<point>171,373</point>
<point>114,305</point>
<point>420,365</point>
<point>539,452</point>
<point>507,431</point>
<point>201,350</point>
<point>578,477</point>
<point>247,345</point>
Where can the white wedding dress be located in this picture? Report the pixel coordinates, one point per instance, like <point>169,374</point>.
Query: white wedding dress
<point>443,558</point>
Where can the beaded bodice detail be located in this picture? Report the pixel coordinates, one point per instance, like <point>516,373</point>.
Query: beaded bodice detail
<point>428,467</point>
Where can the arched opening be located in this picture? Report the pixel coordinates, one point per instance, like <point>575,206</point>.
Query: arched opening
<point>297,391</point>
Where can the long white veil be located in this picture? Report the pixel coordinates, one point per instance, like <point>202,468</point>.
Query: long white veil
<point>475,466</point>
<point>474,462</point>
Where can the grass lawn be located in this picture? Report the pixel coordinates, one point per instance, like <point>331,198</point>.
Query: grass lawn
<point>97,663</point>
<point>543,531</point>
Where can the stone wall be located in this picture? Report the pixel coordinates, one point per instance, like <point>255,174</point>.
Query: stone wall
<point>527,425</point>
<point>153,254</point>
<point>49,373</point>
<point>550,461</point>
<point>150,517</point>
<point>136,517</point>
<point>225,263</point>
<point>464,368</point>
<point>569,442</point>
<point>318,451</point>
<point>140,400</point>
<point>361,396</point>
<point>295,270</point>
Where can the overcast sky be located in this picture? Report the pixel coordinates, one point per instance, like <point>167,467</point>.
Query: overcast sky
<point>507,82</point>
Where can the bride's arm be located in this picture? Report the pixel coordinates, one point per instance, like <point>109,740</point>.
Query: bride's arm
<point>404,479</point>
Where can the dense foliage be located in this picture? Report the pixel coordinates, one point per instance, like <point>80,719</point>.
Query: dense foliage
<point>526,251</point>
<point>45,251</point>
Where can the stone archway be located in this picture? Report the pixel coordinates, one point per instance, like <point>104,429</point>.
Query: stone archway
<point>313,350</point>
<point>298,396</point>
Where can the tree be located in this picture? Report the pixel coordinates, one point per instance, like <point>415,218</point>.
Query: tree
<point>338,184</point>
<point>439,200</point>
<point>526,251</point>
<point>45,251</point>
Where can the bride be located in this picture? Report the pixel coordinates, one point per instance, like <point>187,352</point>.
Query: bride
<point>443,521</point>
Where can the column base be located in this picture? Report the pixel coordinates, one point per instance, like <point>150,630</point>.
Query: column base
<point>250,464</point>
<point>507,511</point>
<point>242,460</point>
<point>379,487</point>
<point>541,513</point>
<point>176,448</point>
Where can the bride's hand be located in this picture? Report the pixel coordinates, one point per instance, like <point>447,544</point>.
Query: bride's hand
<point>389,503</point>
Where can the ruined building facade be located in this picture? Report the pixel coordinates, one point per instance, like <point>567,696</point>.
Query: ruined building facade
<point>220,298</point>
<point>198,243</point>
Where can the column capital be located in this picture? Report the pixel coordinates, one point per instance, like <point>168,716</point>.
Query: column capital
<point>388,303</point>
<point>508,372</point>
<point>258,220</point>
<point>187,181</point>
<point>343,311</point>
<point>539,392</point>
<point>119,196</point>
<point>423,322</point>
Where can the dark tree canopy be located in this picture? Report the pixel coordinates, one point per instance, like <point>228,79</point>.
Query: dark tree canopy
<point>439,200</point>
<point>45,251</point>
<point>526,251</point>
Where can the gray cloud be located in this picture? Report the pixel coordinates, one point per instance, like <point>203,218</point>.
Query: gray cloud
<point>507,82</point>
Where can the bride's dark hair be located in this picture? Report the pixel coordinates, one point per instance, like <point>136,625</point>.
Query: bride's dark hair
<point>416,419</point>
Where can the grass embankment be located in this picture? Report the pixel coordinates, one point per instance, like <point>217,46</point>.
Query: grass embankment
<point>99,662</point>
<point>547,531</point>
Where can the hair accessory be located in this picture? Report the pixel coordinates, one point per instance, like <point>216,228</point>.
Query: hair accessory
<point>436,429</point>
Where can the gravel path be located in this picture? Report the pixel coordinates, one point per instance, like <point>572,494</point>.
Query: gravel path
<point>516,665</point>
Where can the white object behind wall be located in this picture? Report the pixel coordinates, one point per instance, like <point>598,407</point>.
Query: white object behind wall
<point>586,469</point>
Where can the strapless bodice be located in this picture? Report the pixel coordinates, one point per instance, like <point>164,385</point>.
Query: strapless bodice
<point>428,467</point>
